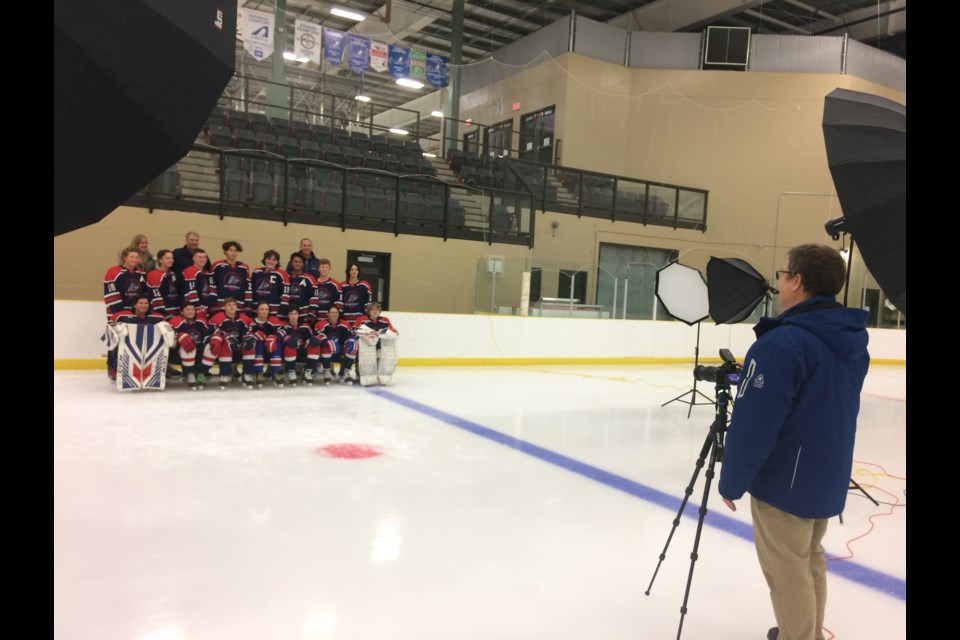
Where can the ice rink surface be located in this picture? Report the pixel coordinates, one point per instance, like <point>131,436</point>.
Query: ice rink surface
<point>462,503</point>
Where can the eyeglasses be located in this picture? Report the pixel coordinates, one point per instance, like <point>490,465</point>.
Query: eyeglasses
<point>785,273</point>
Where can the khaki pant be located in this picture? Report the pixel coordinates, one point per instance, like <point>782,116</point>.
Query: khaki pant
<point>791,558</point>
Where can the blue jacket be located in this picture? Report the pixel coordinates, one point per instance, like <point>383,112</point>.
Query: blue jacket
<point>790,439</point>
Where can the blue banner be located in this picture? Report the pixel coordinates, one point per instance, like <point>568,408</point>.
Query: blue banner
<point>436,70</point>
<point>399,62</point>
<point>333,42</point>
<point>358,54</point>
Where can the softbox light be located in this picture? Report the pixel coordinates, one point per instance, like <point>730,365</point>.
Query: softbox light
<point>683,293</point>
<point>866,143</point>
<point>734,289</point>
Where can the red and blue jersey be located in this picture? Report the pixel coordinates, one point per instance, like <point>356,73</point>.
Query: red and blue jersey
<point>303,294</point>
<point>329,295</point>
<point>196,286</point>
<point>232,281</point>
<point>355,298</point>
<point>382,322</point>
<point>271,287</point>
<point>197,329</point>
<point>165,292</point>
<point>236,326</point>
<point>122,287</point>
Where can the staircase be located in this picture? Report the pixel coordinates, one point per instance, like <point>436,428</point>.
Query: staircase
<point>474,203</point>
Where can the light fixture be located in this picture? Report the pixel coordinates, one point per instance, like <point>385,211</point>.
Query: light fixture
<point>362,98</point>
<point>407,82</point>
<point>399,132</point>
<point>429,155</point>
<point>349,15</point>
<point>436,113</point>
<point>291,56</point>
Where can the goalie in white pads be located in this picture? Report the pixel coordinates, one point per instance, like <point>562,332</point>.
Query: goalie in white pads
<point>139,343</point>
<point>377,339</point>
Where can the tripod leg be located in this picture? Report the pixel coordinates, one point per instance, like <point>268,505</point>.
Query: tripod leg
<point>707,445</point>
<point>715,443</point>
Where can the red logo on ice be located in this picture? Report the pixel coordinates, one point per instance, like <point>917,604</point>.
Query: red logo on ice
<point>350,451</point>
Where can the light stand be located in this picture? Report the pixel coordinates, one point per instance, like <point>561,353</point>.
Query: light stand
<point>692,392</point>
<point>683,293</point>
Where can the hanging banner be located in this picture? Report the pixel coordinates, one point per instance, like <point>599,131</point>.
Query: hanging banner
<point>333,42</point>
<point>379,56</point>
<point>358,55</point>
<point>399,62</point>
<point>306,41</point>
<point>418,64</point>
<point>258,33</point>
<point>436,70</point>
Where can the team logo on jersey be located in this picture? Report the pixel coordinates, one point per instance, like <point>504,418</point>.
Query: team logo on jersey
<point>323,296</point>
<point>133,288</point>
<point>294,292</point>
<point>263,290</point>
<point>758,381</point>
<point>232,281</point>
<point>352,298</point>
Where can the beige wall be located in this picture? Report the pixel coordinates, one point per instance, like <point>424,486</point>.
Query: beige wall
<point>427,274</point>
<point>753,140</point>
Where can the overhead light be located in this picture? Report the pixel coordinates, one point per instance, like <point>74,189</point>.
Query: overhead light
<point>407,82</point>
<point>399,132</point>
<point>350,15</point>
<point>436,114</point>
<point>291,56</point>
<point>429,155</point>
<point>362,98</point>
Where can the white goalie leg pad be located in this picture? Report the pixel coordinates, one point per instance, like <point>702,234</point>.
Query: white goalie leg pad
<point>367,358</point>
<point>142,360</point>
<point>110,337</point>
<point>388,358</point>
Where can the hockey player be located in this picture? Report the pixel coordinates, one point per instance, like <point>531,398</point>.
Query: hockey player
<point>263,342</point>
<point>270,284</point>
<point>124,283</point>
<point>341,346</point>
<point>300,345</point>
<point>228,328</point>
<point>196,284</point>
<point>231,278</point>
<point>192,334</point>
<point>162,282</point>
<point>356,294</point>
<point>377,354</point>
<point>303,289</point>
<point>328,291</point>
<point>118,329</point>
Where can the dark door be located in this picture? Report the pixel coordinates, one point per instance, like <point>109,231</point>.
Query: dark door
<point>471,143</point>
<point>537,135</point>
<point>375,269</point>
<point>498,139</point>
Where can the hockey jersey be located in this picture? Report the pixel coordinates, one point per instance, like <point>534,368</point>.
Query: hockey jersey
<point>165,292</point>
<point>355,298</point>
<point>232,281</point>
<point>121,287</point>
<point>271,287</point>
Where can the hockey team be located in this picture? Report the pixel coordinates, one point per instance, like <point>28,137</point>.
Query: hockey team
<point>223,321</point>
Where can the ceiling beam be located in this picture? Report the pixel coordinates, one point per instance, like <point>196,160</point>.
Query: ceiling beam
<point>680,15</point>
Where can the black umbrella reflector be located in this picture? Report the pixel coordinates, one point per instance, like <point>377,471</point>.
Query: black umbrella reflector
<point>734,289</point>
<point>683,293</point>
<point>866,142</point>
<point>133,83</point>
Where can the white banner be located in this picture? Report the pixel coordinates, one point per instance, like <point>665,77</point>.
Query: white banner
<point>306,43</point>
<point>258,33</point>
<point>378,56</point>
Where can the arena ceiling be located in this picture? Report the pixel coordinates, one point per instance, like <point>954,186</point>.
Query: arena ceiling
<point>492,24</point>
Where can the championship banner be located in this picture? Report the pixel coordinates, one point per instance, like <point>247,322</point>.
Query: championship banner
<point>379,56</point>
<point>258,33</point>
<point>418,64</point>
<point>399,61</point>
<point>333,42</point>
<point>306,41</point>
<point>436,70</point>
<point>358,56</point>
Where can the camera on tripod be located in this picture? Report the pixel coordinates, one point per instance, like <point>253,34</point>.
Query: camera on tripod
<point>726,374</point>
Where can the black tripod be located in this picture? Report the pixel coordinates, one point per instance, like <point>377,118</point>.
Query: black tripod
<point>712,445</point>
<point>692,392</point>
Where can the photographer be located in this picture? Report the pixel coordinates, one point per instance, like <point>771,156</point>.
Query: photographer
<point>790,440</point>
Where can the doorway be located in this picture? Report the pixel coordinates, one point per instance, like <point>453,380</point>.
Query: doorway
<point>375,269</point>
